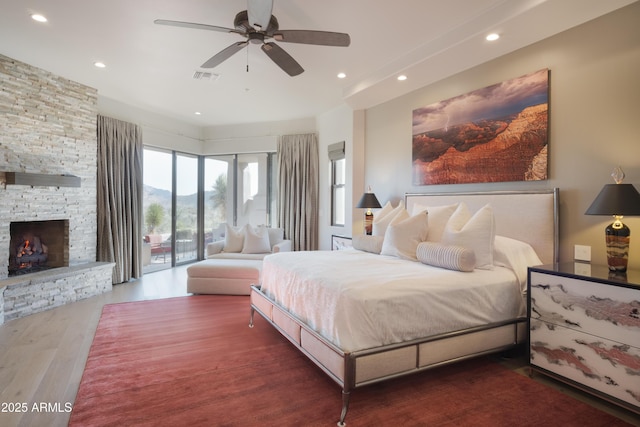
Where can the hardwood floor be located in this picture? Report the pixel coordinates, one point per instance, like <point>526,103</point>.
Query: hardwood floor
<point>42,356</point>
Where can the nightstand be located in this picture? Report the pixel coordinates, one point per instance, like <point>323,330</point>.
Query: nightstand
<point>584,329</point>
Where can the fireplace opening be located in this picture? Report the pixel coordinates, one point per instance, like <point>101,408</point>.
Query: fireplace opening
<point>38,245</point>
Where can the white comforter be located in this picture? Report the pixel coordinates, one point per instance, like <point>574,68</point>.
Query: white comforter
<point>358,300</point>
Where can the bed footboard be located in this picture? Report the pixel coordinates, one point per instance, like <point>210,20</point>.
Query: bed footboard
<point>355,369</point>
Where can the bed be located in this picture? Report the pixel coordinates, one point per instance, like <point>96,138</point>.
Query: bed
<point>371,317</point>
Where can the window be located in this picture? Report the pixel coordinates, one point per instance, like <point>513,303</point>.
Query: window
<point>218,196</point>
<point>239,190</point>
<point>338,180</point>
<point>188,199</point>
<point>186,213</point>
<point>157,208</point>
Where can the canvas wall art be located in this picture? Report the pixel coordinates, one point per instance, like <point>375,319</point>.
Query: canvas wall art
<point>494,134</point>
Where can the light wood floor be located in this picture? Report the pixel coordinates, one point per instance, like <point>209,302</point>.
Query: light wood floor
<point>42,356</point>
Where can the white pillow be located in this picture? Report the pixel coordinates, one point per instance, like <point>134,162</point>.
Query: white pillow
<point>446,256</point>
<point>276,235</point>
<point>404,234</point>
<point>233,239</point>
<point>516,256</point>
<point>381,222</point>
<point>438,218</point>
<point>388,207</point>
<point>256,241</point>
<point>475,232</point>
<point>372,244</point>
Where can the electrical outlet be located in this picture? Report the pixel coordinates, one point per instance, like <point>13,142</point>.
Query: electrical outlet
<point>582,253</point>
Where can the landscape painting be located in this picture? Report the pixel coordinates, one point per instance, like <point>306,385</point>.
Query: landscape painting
<point>494,134</point>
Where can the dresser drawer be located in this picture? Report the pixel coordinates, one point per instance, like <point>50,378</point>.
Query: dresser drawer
<point>595,362</point>
<point>599,309</point>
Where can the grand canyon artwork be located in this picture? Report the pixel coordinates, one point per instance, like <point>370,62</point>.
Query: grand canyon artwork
<point>494,134</point>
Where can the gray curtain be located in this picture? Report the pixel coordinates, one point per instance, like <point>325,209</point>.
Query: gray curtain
<point>298,190</point>
<point>120,197</point>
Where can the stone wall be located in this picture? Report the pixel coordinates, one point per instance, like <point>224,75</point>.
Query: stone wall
<point>31,293</point>
<point>48,126</point>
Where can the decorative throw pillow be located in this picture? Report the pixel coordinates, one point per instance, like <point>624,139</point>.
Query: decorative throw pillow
<point>404,234</point>
<point>276,235</point>
<point>233,239</point>
<point>516,256</point>
<point>475,232</point>
<point>446,256</point>
<point>256,241</point>
<point>365,243</point>
<point>388,207</point>
<point>438,218</point>
<point>381,222</point>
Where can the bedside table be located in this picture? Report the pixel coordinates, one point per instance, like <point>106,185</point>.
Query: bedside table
<point>584,329</point>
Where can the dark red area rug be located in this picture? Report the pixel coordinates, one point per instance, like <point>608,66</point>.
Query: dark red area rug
<point>194,361</point>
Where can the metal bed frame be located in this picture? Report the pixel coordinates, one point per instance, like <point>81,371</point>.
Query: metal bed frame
<point>351,370</point>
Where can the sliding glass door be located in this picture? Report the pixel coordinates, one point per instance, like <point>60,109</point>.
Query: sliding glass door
<point>157,210</point>
<point>189,199</point>
<point>218,196</point>
<point>186,218</point>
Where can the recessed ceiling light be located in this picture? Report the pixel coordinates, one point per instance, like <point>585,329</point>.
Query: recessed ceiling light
<point>493,37</point>
<point>39,18</point>
<point>402,77</point>
<point>341,75</point>
<point>99,64</point>
<point>197,113</point>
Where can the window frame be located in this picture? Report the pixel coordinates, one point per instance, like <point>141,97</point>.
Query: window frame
<point>337,154</point>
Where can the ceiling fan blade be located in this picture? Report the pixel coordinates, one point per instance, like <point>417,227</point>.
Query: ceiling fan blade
<point>223,55</point>
<point>324,38</point>
<point>282,59</point>
<point>193,25</point>
<point>259,12</point>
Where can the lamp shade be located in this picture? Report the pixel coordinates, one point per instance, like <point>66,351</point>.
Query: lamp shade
<point>368,201</point>
<point>616,199</point>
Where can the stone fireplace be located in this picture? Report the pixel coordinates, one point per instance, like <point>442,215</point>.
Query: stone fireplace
<point>48,168</point>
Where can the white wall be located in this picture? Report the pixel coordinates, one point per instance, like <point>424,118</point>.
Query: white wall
<point>594,111</point>
<point>157,131</point>
<point>252,137</point>
<point>335,126</point>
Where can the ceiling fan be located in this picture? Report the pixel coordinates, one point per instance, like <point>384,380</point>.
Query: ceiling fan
<point>257,25</point>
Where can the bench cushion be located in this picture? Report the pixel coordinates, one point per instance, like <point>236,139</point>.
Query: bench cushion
<point>223,276</point>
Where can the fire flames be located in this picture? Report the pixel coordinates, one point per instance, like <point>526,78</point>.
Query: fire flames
<point>25,249</point>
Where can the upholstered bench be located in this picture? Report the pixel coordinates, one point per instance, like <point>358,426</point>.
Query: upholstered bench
<point>223,276</point>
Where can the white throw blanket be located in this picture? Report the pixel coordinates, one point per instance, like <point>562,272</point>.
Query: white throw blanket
<point>358,300</point>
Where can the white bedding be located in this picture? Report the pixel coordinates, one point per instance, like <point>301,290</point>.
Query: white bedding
<point>358,300</point>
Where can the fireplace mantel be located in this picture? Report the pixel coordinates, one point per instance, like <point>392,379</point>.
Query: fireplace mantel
<point>40,179</point>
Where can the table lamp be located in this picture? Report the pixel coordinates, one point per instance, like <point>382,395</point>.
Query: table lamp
<point>617,200</point>
<point>368,201</point>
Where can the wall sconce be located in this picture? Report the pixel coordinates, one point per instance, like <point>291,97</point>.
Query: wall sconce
<point>617,200</point>
<point>368,202</point>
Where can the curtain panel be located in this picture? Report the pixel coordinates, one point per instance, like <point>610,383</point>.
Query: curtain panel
<point>119,192</point>
<point>298,163</point>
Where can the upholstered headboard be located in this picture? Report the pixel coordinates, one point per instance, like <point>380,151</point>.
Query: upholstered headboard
<point>529,216</point>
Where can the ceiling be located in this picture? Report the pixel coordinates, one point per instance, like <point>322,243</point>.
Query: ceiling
<point>151,66</point>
